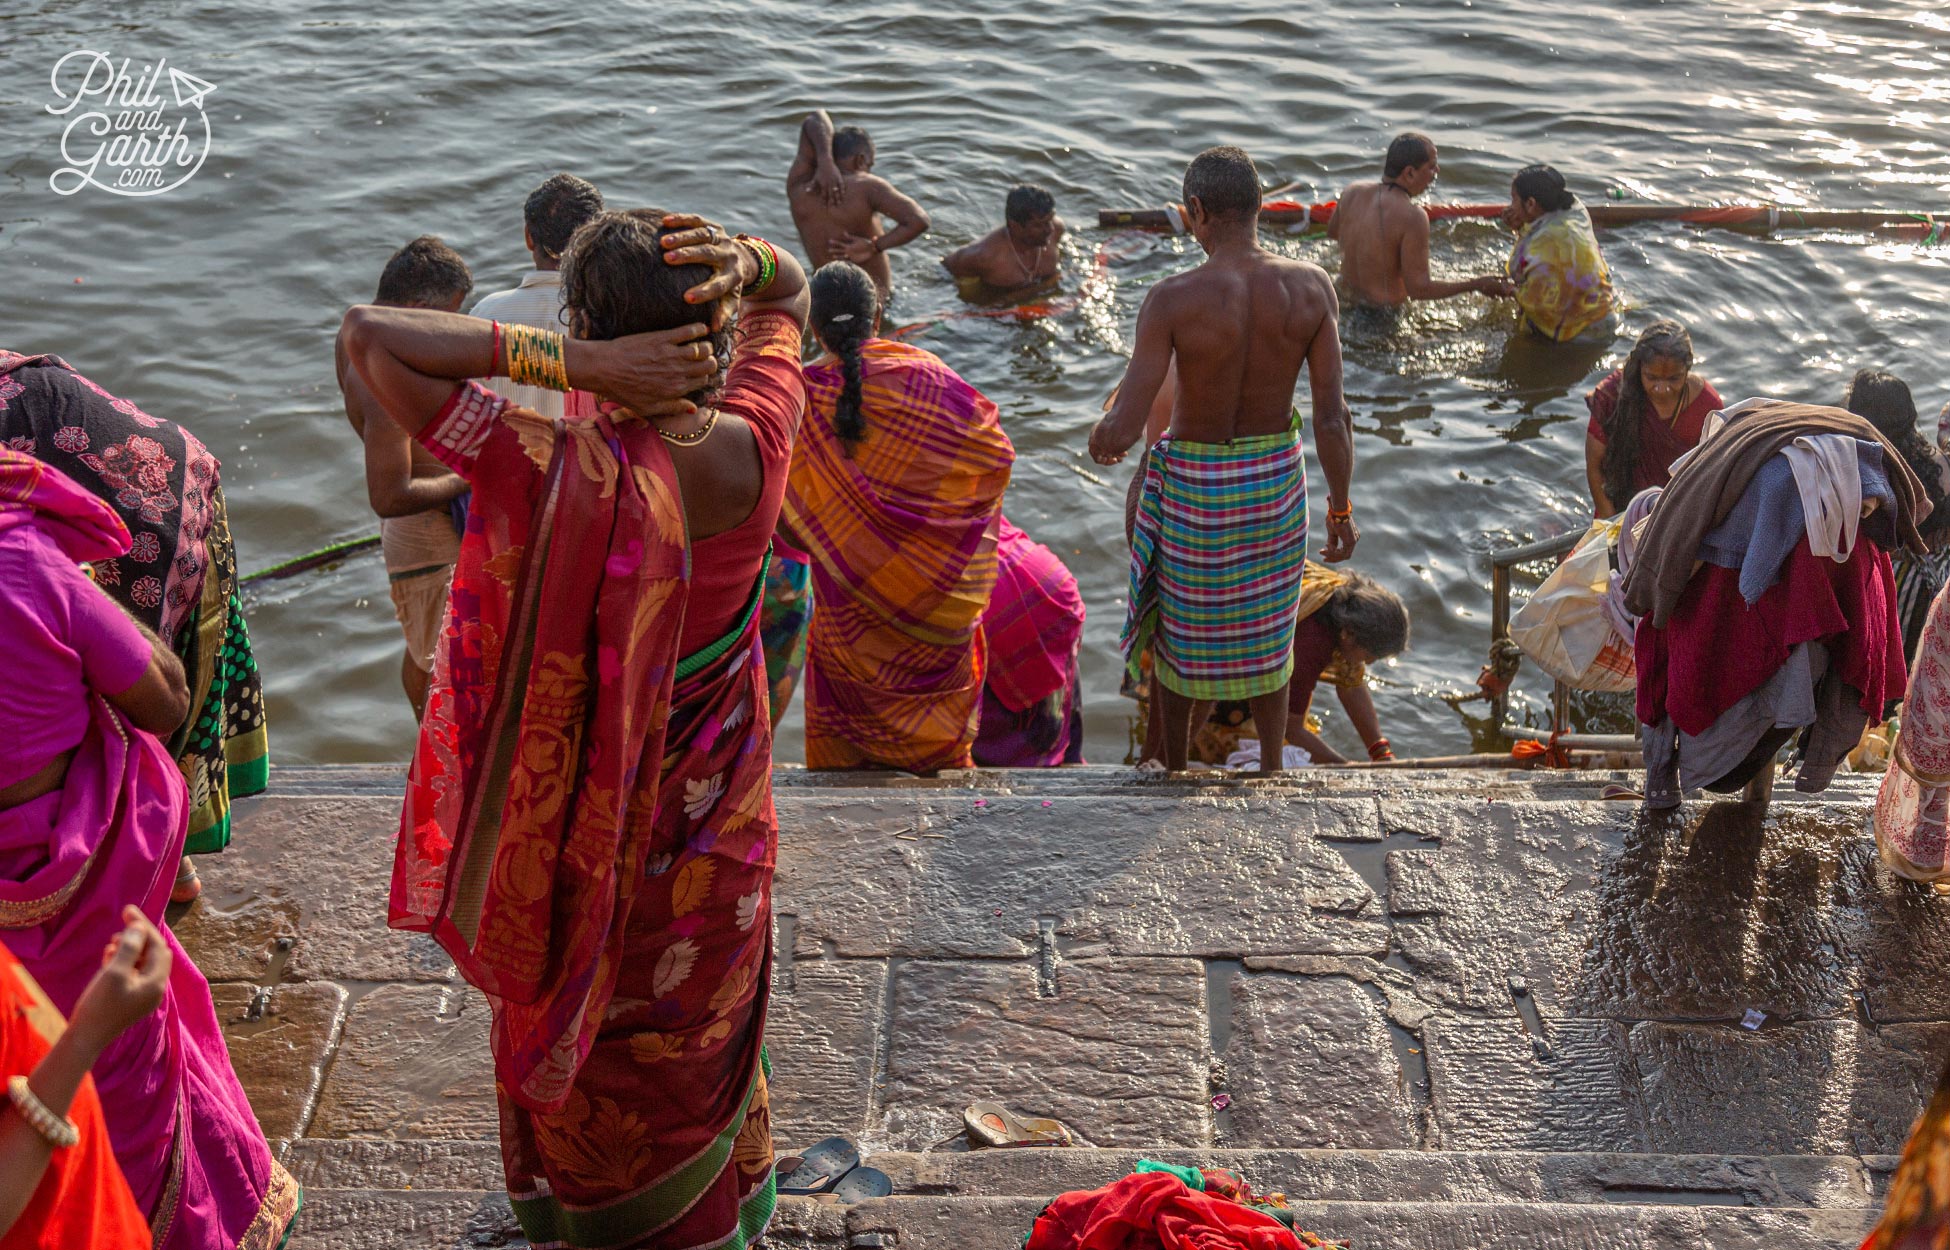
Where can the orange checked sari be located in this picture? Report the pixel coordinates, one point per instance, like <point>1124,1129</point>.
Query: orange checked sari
<point>901,528</point>
<point>589,832</point>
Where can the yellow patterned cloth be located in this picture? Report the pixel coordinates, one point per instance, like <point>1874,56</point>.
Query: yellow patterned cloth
<point>1563,284</point>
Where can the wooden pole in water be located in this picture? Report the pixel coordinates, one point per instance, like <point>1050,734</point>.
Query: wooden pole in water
<point>1924,226</point>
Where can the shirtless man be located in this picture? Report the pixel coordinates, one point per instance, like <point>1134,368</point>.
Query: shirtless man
<point>1384,234</point>
<point>1020,253</point>
<point>1238,328</point>
<point>837,201</point>
<point>410,490</point>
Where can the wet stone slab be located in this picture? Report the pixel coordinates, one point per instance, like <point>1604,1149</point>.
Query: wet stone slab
<point>307,876</point>
<point>279,1041</point>
<point>1309,1063</point>
<point>1824,1087</point>
<point>339,1219</point>
<point>1118,1053</point>
<point>822,1033</point>
<point>1497,1086</point>
<point>412,1062</point>
<point>372,1163</point>
<point>934,876</point>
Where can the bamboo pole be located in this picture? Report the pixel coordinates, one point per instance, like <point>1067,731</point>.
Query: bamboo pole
<point>1761,217</point>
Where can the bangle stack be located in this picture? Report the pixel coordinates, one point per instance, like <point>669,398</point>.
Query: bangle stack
<point>58,1131</point>
<point>1343,513</point>
<point>535,357</point>
<point>1379,750</point>
<point>767,257</point>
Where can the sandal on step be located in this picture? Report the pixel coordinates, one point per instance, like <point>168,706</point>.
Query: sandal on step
<point>861,1184</point>
<point>992,1124</point>
<point>819,1169</point>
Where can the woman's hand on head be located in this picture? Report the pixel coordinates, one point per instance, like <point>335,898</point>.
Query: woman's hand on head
<point>648,375</point>
<point>697,241</point>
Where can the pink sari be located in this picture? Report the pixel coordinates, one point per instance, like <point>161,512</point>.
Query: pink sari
<point>182,1130</point>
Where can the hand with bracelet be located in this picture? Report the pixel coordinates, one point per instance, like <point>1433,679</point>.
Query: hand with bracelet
<point>1342,532</point>
<point>135,971</point>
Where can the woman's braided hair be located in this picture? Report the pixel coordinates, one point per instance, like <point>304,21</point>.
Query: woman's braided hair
<point>845,309</point>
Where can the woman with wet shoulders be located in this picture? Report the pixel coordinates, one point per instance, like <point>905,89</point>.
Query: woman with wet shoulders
<point>1646,414</point>
<point>588,827</point>
<point>93,814</point>
<point>1884,400</point>
<point>1563,284</point>
<point>896,494</point>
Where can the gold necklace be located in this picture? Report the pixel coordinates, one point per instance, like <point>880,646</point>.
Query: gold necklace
<point>696,436</point>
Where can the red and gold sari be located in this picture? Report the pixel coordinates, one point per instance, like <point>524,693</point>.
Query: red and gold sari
<point>589,832</point>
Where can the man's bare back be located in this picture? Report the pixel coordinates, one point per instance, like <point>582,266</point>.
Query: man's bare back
<point>837,203</point>
<point>1374,222</point>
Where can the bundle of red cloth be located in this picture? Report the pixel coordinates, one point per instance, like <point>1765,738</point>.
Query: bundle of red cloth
<point>1156,1211</point>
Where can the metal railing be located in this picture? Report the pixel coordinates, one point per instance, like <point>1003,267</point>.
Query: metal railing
<point>1501,562</point>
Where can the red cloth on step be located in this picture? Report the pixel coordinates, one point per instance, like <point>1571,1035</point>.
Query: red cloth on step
<point>1155,1211</point>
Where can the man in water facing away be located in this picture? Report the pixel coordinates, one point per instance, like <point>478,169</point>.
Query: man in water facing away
<point>837,201</point>
<point>1384,233</point>
<point>1019,254</point>
<point>1220,538</point>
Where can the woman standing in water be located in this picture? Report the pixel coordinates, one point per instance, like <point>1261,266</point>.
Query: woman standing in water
<point>1563,285</point>
<point>1647,414</point>
<point>588,827</point>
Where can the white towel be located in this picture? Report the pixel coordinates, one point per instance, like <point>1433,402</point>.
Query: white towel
<point>1829,477</point>
<point>1247,755</point>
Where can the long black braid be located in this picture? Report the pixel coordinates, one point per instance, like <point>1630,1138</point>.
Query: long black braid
<point>1664,339</point>
<point>845,311</point>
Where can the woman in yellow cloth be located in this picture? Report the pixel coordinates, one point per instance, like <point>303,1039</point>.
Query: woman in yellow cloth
<point>896,493</point>
<point>1563,284</point>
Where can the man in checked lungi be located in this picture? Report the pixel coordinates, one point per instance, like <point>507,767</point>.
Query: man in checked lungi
<point>1221,532</point>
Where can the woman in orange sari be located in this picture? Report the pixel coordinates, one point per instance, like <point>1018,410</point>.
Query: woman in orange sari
<point>896,495</point>
<point>588,827</point>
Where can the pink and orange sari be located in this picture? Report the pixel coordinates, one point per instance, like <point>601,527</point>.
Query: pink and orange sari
<point>589,832</point>
<point>901,528</point>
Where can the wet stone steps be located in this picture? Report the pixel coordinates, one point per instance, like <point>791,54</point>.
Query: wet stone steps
<point>1437,1018</point>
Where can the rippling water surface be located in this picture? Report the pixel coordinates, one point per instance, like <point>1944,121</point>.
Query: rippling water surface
<point>342,131</point>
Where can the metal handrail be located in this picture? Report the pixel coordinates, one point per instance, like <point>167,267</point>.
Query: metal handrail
<point>1501,562</point>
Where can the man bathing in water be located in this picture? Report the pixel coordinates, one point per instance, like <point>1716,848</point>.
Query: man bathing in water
<point>1018,255</point>
<point>1384,233</point>
<point>837,201</point>
<point>1221,529</point>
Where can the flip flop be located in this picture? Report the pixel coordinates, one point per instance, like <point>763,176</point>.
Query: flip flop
<point>820,1168</point>
<point>992,1124</point>
<point>861,1184</point>
<point>1617,792</point>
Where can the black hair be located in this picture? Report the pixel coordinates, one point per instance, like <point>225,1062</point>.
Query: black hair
<point>615,282</point>
<point>845,306</point>
<point>849,142</point>
<point>1027,202</point>
<point>557,209</point>
<point>1375,615</point>
<point>1883,399</point>
<point>1405,152</point>
<point>1225,181</point>
<point>1544,185</point>
<point>1664,339</point>
<point>426,273</point>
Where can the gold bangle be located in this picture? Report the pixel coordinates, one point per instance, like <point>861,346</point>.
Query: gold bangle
<point>57,1131</point>
<point>535,357</point>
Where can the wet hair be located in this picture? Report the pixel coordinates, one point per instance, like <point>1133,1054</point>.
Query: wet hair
<point>1664,339</point>
<point>845,305</point>
<point>1027,202</point>
<point>557,209</point>
<point>1883,399</point>
<point>615,282</point>
<point>426,273</point>
<point>1375,615</point>
<point>1225,181</point>
<point>1544,185</point>
<point>1405,152</point>
<point>849,142</point>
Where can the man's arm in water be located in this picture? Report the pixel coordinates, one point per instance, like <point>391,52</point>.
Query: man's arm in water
<point>391,488</point>
<point>1415,268</point>
<point>813,166</point>
<point>967,262</point>
<point>1151,356</point>
<point>1333,424</point>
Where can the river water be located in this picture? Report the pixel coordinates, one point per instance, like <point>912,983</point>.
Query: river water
<point>340,132</point>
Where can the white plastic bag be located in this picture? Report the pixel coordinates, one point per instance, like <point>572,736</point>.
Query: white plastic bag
<point>1565,627</point>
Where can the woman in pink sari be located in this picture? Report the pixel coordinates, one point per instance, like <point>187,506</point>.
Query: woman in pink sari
<point>93,816</point>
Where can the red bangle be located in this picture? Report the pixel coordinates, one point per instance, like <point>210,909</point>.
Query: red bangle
<point>1342,514</point>
<point>1379,750</point>
<point>494,361</point>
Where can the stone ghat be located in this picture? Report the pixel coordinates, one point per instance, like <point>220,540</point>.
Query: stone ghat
<point>1450,1010</point>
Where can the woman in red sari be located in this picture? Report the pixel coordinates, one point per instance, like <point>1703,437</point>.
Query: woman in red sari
<point>1644,416</point>
<point>588,827</point>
